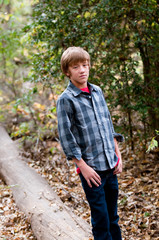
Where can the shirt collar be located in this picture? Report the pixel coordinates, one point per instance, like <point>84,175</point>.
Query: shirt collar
<point>76,91</point>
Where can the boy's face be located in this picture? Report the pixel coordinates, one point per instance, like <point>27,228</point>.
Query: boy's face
<point>79,73</point>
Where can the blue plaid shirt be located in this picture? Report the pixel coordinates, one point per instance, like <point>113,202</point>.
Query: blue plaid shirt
<point>85,127</point>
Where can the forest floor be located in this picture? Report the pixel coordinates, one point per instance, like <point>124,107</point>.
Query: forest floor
<point>138,196</point>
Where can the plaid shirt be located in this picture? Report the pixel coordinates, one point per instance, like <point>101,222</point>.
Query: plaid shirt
<point>85,127</point>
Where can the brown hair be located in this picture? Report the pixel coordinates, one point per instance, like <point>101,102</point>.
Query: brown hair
<point>73,55</point>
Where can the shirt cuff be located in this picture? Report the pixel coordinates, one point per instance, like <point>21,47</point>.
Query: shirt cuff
<point>78,157</point>
<point>119,137</point>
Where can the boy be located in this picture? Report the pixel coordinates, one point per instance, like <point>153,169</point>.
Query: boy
<point>88,138</point>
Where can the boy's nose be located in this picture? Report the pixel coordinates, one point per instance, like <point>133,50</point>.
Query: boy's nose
<point>81,68</point>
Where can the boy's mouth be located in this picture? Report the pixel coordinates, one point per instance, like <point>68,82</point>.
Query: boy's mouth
<point>83,76</point>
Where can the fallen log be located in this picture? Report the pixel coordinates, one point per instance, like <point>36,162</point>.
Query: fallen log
<point>50,219</point>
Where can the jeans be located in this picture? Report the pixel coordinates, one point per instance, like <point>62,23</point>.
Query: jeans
<point>103,205</point>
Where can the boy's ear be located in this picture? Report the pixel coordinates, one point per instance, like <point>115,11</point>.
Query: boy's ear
<point>67,74</point>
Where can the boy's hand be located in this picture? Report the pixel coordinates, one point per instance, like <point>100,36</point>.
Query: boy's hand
<point>91,176</point>
<point>88,173</point>
<point>118,168</point>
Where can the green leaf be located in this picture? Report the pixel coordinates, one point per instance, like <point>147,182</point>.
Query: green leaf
<point>147,214</point>
<point>152,145</point>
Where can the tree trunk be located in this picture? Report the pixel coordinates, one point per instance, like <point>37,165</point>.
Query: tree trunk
<point>149,91</point>
<point>50,219</point>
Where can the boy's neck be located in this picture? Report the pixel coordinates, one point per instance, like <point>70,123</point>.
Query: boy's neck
<point>80,86</point>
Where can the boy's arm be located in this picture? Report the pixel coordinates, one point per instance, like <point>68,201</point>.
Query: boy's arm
<point>65,118</point>
<point>88,173</point>
<point>118,168</point>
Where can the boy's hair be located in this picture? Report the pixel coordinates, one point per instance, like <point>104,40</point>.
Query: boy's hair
<point>73,55</point>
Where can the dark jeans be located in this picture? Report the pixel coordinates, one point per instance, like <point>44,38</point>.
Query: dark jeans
<point>103,205</point>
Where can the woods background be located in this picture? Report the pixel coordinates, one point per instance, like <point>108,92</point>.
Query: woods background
<point>122,39</point>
